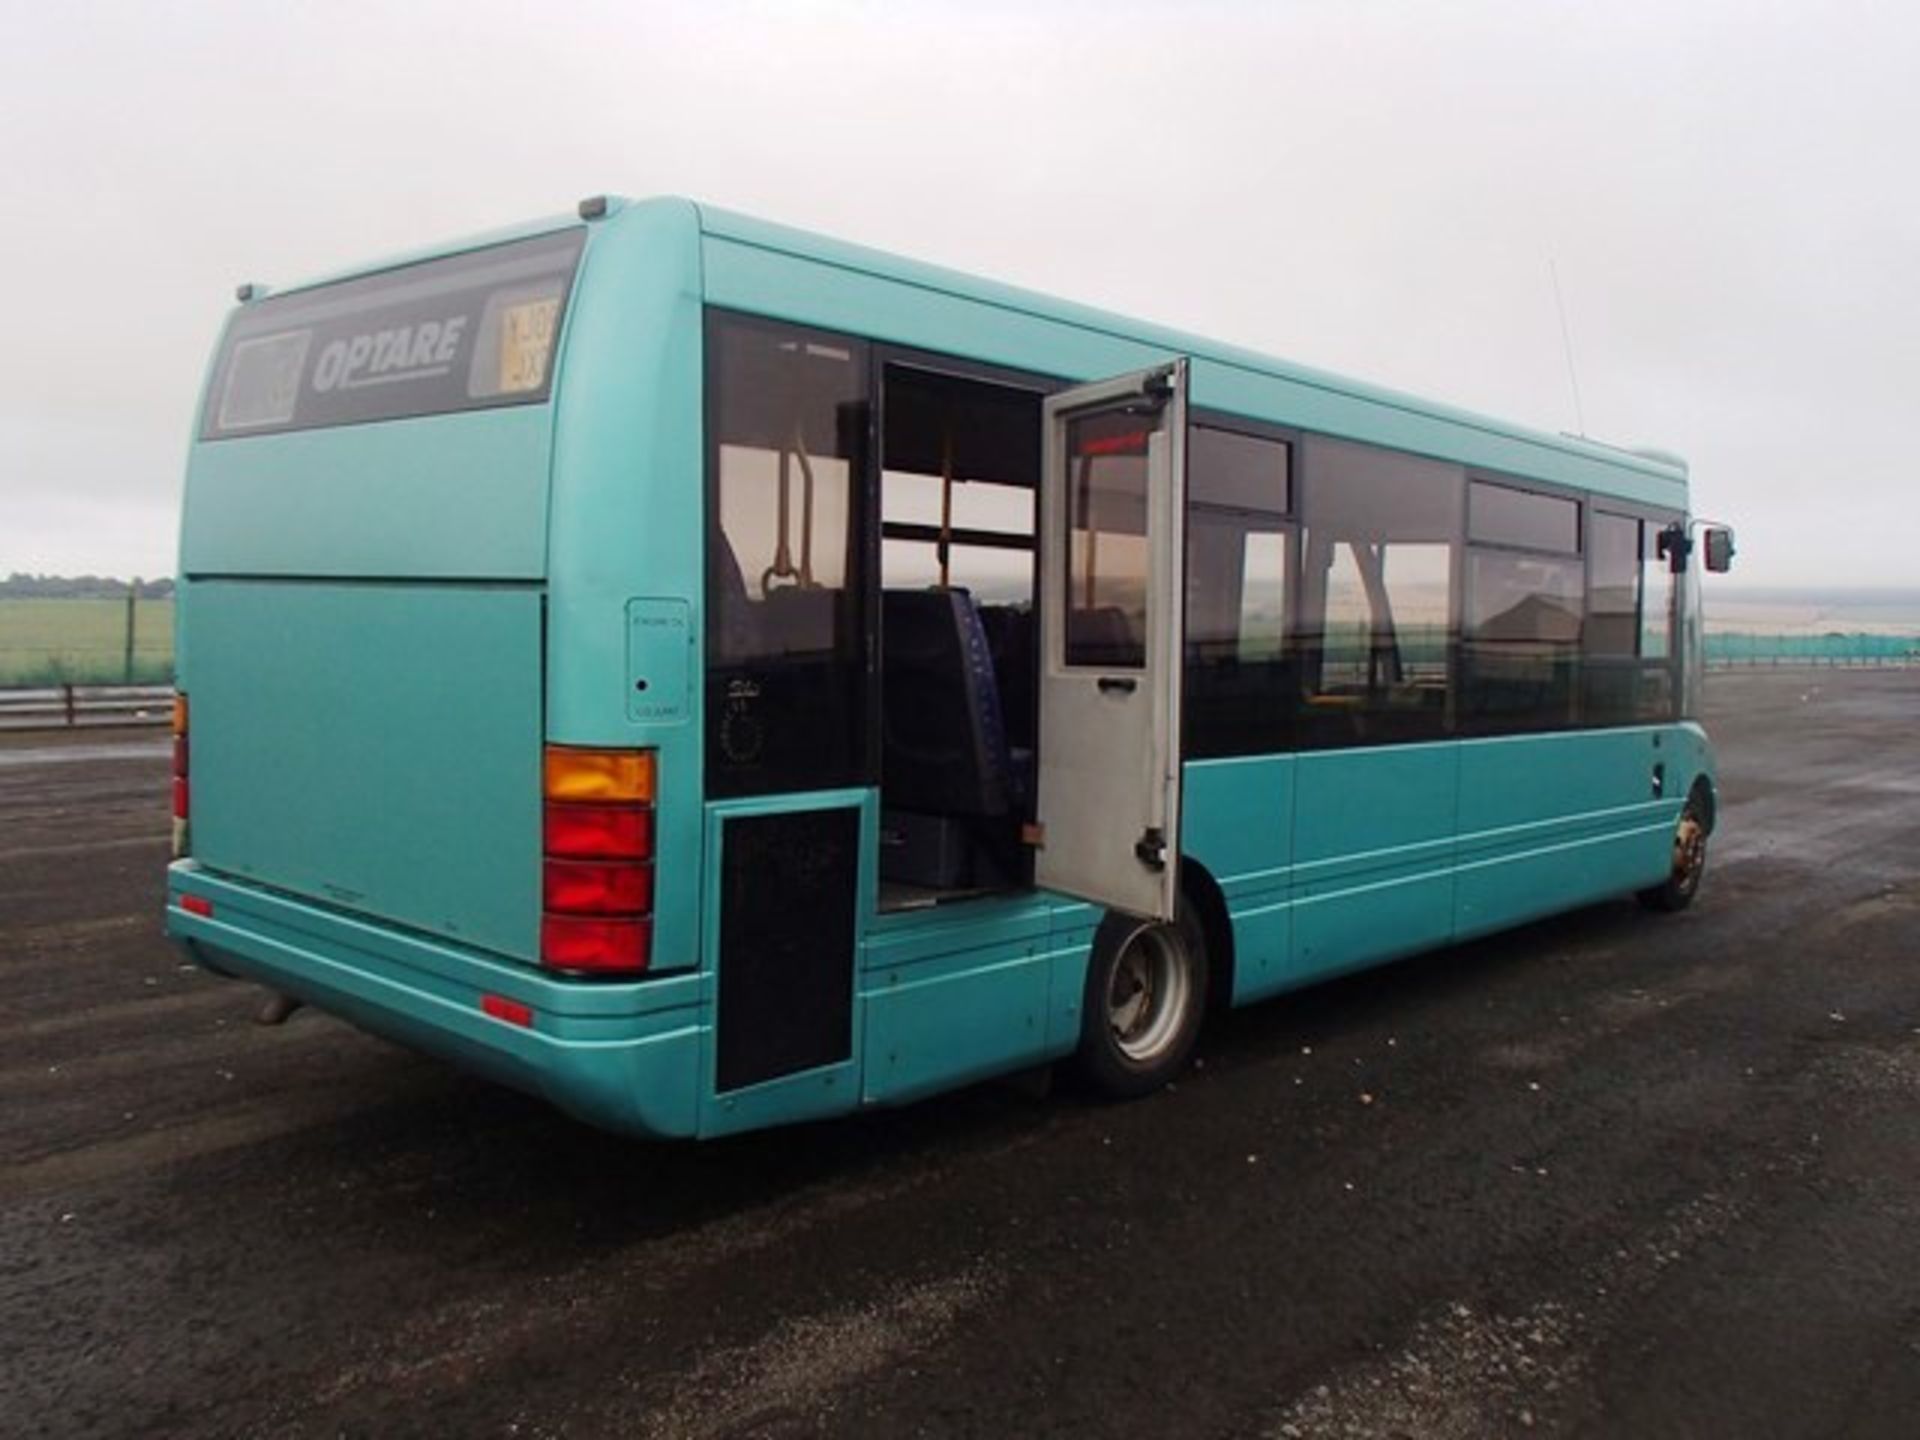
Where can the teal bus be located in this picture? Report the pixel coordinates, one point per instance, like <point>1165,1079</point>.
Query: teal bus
<point>712,676</point>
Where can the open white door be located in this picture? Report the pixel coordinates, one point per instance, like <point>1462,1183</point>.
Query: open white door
<point>1111,587</point>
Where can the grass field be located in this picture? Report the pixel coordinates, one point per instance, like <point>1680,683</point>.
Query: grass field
<point>47,642</point>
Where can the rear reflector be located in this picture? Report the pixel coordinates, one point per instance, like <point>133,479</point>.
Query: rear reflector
<point>511,1011</point>
<point>572,942</point>
<point>616,775</point>
<point>197,905</point>
<point>599,832</point>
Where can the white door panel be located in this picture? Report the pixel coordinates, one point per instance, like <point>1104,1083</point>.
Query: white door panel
<point>1112,548</point>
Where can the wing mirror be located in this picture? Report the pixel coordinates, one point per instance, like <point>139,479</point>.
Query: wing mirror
<point>1719,546</point>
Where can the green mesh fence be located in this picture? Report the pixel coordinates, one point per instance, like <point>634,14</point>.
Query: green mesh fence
<point>1832,649</point>
<point>85,642</point>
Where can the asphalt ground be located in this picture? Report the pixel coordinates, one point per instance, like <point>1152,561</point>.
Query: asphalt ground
<point>1613,1174</point>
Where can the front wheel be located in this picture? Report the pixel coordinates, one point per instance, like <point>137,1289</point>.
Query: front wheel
<point>1146,994</point>
<point>1689,863</point>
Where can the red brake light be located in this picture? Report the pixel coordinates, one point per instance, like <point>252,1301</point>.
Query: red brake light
<point>599,832</point>
<point>570,942</point>
<point>197,905</point>
<point>180,797</point>
<point>584,887</point>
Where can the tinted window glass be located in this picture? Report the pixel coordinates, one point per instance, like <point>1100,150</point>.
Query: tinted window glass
<point>1629,674</point>
<point>1238,472</point>
<point>1240,686</point>
<point>786,632</point>
<point>1522,642</point>
<point>1613,558</point>
<point>464,333</point>
<point>1106,567</point>
<point>1380,531</point>
<point>1658,584</point>
<point>1386,616</point>
<point>1501,515</point>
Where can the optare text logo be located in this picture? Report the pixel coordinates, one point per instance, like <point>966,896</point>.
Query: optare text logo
<point>381,357</point>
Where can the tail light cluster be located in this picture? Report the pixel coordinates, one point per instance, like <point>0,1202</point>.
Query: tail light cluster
<point>181,798</point>
<point>597,866</point>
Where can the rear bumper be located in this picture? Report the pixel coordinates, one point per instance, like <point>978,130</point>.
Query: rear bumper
<point>625,1056</point>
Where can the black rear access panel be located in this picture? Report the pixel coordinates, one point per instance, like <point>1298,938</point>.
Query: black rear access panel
<point>788,888</point>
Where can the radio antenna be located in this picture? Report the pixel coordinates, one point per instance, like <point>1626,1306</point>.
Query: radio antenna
<point>1566,343</point>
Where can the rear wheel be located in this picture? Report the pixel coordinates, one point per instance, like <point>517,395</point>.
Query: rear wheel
<point>1689,862</point>
<point>1145,997</point>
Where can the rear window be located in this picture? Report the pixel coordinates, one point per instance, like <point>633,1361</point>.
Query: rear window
<point>464,333</point>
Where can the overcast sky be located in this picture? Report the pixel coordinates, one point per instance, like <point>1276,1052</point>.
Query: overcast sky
<point>1728,192</point>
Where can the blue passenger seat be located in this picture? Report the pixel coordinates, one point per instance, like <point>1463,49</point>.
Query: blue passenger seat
<point>944,747</point>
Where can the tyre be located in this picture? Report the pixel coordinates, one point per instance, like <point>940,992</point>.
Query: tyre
<point>1689,862</point>
<point>1145,997</point>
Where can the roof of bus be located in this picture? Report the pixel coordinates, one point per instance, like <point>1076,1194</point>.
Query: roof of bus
<point>416,254</point>
<point>748,230</point>
<point>764,234</point>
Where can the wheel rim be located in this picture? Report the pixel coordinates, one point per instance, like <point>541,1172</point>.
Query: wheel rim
<point>1689,852</point>
<point>1148,994</point>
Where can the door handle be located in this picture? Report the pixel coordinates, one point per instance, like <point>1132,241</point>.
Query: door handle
<point>1118,685</point>
<point>1151,848</point>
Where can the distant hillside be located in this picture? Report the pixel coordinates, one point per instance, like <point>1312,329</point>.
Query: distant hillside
<point>21,586</point>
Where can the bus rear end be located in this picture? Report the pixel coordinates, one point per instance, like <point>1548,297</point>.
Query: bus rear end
<point>374,813</point>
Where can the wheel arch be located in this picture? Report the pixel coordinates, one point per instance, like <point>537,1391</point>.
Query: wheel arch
<point>1704,794</point>
<point>1202,892</point>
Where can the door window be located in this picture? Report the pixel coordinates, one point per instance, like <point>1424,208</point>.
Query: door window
<point>1106,570</point>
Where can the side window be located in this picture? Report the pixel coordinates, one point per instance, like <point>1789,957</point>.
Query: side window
<point>786,647</point>
<point>1629,645</point>
<point>1240,687</point>
<point>1380,531</point>
<point>1525,605</point>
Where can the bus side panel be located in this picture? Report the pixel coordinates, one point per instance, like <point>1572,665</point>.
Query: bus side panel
<point>1552,821</point>
<point>1236,819</point>
<point>958,997</point>
<point>1373,841</point>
